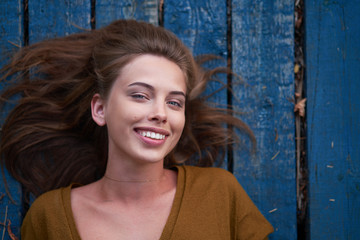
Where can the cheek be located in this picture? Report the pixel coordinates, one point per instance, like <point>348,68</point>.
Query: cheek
<point>135,118</point>
<point>183,123</point>
<point>179,123</point>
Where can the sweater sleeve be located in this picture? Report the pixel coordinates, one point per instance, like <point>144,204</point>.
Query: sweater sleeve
<point>216,204</point>
<point>35,223</point>
<point>47,218</point>
<point>250,223</point>
<point>28,231</point>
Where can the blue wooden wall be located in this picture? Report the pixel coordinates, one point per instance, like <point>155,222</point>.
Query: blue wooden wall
<point>11,32</point>
<point>333,118</point>
<point>255,38</point>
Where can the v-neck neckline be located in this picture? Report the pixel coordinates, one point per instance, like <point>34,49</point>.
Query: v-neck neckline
<point>176,206</point>
<point>170,222</point>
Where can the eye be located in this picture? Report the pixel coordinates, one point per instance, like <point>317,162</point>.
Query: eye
<point>138,96</point>
<point>175,103</point>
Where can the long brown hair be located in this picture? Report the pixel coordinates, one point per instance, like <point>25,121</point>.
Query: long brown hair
<point>49,138</point>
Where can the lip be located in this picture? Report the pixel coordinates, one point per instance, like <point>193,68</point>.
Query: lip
<point>153,129</point>
<point>151,141</point>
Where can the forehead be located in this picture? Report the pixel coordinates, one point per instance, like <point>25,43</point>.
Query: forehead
<point>155,70</point>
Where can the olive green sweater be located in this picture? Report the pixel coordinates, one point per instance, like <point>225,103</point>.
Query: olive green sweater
<point>209,204</point>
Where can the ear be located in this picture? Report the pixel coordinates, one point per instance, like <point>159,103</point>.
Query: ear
<point>98,110</point>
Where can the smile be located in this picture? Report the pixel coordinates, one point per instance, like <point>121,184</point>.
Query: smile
<point>152,135</point>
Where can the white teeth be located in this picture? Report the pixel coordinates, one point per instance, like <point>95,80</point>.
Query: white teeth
<point>152,135</point>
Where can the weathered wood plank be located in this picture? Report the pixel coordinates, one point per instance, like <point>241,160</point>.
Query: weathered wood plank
<point>51,18</point>
<point>10,206</point>
<point>110,10</point>
<point>262,50</point>
<point>202,26</point>
<point>265,62</point>
<point>333,117</point>
<point>47,19</point>
<point>11,32</point>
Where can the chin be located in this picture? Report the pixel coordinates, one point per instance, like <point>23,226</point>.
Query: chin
<point>151,158</point>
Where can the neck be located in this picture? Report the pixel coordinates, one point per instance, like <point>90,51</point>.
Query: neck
<point>134,180</point>
<point>131,171</point>
<point>139,191</point>
<point>135,183</point>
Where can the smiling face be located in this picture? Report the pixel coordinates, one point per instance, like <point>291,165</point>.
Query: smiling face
<point>145,110</point>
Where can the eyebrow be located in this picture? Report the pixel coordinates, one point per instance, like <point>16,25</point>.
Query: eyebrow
<point>151,88</point>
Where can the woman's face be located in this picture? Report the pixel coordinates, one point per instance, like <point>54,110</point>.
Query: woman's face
<point>145,110</point>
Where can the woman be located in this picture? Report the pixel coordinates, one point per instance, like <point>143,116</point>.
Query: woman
<point>108,118</point>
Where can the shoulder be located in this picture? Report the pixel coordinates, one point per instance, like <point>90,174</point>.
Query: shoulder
<point>45,202</point>
<point>47,207</point>
<point>206,171</point>
<point>49,201</point>
<point>231,200</point>
<point>212,181</point>
<point>211,175</point>
<point>50,217</point>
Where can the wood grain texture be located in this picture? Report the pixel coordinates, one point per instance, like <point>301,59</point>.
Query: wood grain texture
<point>11,32</point>
<point>333,117</point>
<point>262,50</point>
<point>47,19</point>
<point>110,10</point>
<point>52,18</point>
<point>202,26</point>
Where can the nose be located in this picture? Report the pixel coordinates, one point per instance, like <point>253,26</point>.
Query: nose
<point>158,113</point>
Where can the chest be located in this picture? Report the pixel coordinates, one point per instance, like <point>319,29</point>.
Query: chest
<point>118,221</point>
<point>123,226</point>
